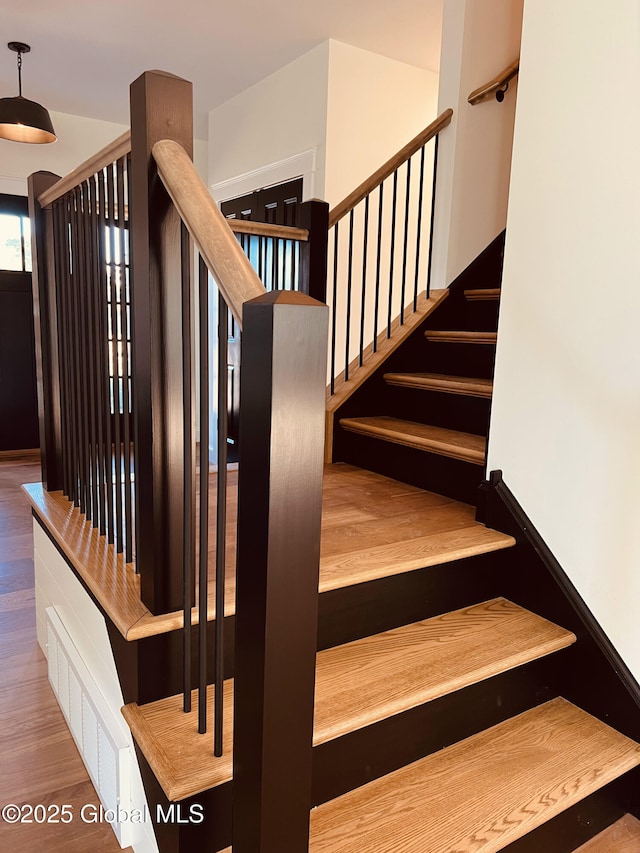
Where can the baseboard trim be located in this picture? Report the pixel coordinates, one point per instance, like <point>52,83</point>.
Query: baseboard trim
<point>495,498</point>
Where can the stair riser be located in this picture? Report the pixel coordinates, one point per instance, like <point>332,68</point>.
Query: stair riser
<point>213,833</point>
<point>344,614</point>
<point>355,759</point>
<point>450,477</point>
<point>369,608</point>
<point>144,680</point>
<point>575,826</point>
<point>437,408</point>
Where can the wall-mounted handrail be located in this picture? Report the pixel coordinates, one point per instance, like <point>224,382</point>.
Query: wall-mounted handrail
<point>497,86</point>
<point>210,231</point>
<point>112,152</point>
<point>388,168</point>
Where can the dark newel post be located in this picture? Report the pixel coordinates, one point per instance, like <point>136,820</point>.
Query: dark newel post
<point>161,108</point>
<point>46,331</point>
<point>284,344</point>
<point>314,215</point>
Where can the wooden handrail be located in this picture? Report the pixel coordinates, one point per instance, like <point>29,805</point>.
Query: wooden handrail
<point>498,83</point>
<point>389,167</point>
<point>209,229</point>
<point>266,229</point>
<point>107,155</point>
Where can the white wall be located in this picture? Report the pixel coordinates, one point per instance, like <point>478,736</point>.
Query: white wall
<point>283,115</point>
<point>78,139</point>
<point>375,105</point>
<point>479,40</point>
<point>566,407</point>
<point>352,107</point>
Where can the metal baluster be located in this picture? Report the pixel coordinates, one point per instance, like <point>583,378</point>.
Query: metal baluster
<point>392,249</point>
<point>334,306</point>
<point>123,337</point>
<point>115,361</point>
<point>378,264</point>
<point>364,276</point>
<point>406,241</point>
<point>419,228</point>
<point>103,339</point>
<point>349,282</point>
<point>221,518</point>
<point>187,425</point>
<point>433,214</point>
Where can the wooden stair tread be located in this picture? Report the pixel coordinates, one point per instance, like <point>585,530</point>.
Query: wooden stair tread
<point>376,677</point>
<point>372,563</point>
<point>445,442</point>
<point>482,294</point>
<point>482,793</point>
<point>357,684</point>
<point>455,337</point>
<point>441,382</point>
<point>621,837</point>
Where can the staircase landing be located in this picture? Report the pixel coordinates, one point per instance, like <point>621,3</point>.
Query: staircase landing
<point>372,527</point>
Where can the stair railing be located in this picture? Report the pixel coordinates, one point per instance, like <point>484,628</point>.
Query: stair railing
<point>496,87</point>
<point>121,327</point>
<point>83,333</point>
<point>380,258</point>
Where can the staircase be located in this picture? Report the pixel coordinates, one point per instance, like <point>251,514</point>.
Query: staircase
<point>465,700</point>
<point>440,721</point>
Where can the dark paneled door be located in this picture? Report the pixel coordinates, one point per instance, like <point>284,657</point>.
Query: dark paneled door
<point>18,402</point>
<point>277,205</point>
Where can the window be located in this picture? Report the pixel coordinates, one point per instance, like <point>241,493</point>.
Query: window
<point>15,234</point>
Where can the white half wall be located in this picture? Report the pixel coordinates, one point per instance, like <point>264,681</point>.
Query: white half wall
<point>566,405</point>
<point>479,40</point>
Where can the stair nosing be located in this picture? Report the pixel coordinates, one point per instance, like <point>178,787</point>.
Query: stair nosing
<point>463,385</point>
<point>461,337</point>
<point>398,435</point>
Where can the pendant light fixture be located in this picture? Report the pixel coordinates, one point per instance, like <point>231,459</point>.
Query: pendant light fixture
<point>22,120</point>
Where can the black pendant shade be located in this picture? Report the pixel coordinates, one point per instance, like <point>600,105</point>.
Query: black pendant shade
<point>22,120</point>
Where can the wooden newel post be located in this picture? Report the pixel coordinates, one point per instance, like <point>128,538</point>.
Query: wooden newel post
<point>314,215</point>
<point>46,331</point>
<point>284,343</point>
<point>161,108</point>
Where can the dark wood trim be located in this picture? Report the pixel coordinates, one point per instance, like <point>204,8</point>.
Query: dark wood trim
<point>284,346</point>
<point>598,680</point>
<point>314,217</point>
<point>46,332</point>
<point>161,108</point>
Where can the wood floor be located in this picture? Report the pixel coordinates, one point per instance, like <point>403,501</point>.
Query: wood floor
<point>372,527</point>
<point>40,762</point>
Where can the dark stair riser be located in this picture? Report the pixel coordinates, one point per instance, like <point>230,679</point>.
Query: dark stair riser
<point>431,471</point>
<point>437,408</point>
<point>596,678</point>
<point>369,753</point>
<point>344,615</point>
<point>578,824</point>
<point>364,755</point>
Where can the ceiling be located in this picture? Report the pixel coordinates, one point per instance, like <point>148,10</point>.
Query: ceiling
<point>85,54</point>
